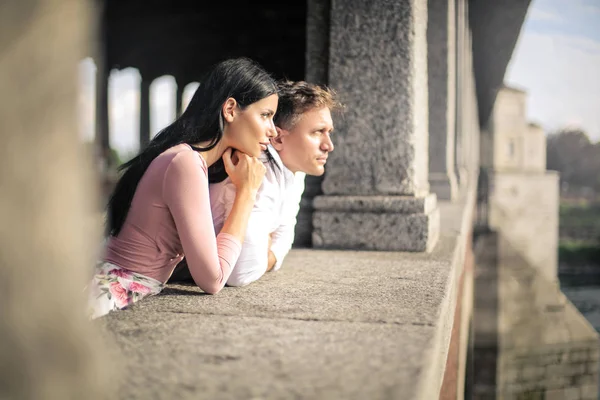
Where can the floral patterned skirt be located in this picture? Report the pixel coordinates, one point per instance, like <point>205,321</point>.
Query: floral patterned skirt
<point>115,288</point>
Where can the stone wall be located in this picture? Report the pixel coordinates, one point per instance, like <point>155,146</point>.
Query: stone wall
<point>47,348</point>
<point>524,208</point>
<point>559,372</point>
<point>534,149</point>
<point>376,190</point>
<point>530,340</point>
<point>509,126</point>
<point>547,349</point>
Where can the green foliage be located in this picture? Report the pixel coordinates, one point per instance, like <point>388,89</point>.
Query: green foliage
<point>116,159</point>
<point>579,233</point>
<point>578,253</point>
<point>580,221</point>
<point>570,152</point>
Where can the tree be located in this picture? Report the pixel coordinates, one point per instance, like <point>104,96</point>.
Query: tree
<point>571,152</point>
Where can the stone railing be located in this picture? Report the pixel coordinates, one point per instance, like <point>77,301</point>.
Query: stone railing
<point>329,324</point>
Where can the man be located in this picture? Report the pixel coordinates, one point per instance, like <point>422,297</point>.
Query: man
<point>303,142</point>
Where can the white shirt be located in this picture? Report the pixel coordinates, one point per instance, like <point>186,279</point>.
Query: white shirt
<point>274,213</point>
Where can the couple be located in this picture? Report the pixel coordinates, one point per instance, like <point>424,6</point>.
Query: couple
<point>245,134</point>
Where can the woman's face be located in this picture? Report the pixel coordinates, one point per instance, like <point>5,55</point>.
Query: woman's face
<point>250,129</point>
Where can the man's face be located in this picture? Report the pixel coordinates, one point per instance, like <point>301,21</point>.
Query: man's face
<point>307,144</point>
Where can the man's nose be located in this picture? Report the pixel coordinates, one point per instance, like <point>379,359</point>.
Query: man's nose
<point>327,144</point>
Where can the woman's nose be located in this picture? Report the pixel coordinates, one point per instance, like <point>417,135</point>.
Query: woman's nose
<point>271,132</point>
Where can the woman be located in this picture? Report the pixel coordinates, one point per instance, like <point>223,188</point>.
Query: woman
<point>160,207</point>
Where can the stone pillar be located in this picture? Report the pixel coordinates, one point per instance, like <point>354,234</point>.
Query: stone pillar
<point>318,16</point>
<point>102,137</point>
<point>469,133</point>
<point>105,161</point>
<point>179,99</point>
<point>49,233</point>
<point>376,191</point>
<point>441,55</point>
<point>317,63</point>
<point>474,128</point>
<point>461,99</point>
<point>102,129</point>
<point>144,113</point>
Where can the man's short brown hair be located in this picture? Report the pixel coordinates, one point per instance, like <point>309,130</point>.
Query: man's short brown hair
<point>296,98</point>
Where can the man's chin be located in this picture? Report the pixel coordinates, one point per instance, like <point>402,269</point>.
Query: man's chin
<point>318,171</point>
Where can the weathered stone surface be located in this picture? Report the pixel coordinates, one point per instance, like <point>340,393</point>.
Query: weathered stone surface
<point>377,204</point>
<point>317,40</point>
<point>378,64</point>
<point>329,324</point>
<point>317,71</point>
<point>195,356</point>
<point>441,67</point>
<point>375,231</point>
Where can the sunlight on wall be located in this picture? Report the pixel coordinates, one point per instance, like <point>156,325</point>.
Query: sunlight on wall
<point>163,91</point>
<point>188,93</point>
<point>124,110</point>
<point>124,105</point>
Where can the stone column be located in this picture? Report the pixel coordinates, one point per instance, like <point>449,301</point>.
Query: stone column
<point>474,129</point>
<point>102,132</point>
<point>144,113</point>
<point>50,234</point>
<point>103,157</point>
<point>179,99</point>
<point>102,137</point>
<point>376,191</point>
<point>441,55</point>
<point>317,62</point>
<point>462,76</point>
<point>318,15</point>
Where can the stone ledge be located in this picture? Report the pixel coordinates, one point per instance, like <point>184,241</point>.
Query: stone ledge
<point>374,231</point>
<point>330,324</point>
<point>385,223</point>
<point>444,186</point>
<point>377,204</point>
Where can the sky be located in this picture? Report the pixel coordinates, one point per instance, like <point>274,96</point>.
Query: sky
<point>556,60</point>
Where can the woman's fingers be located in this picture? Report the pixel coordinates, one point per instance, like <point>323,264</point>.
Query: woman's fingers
<point>243,170</point>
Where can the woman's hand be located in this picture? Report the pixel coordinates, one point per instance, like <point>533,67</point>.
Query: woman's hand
<point>245,172</point>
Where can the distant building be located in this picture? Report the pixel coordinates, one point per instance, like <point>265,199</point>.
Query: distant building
<point>523,196</point>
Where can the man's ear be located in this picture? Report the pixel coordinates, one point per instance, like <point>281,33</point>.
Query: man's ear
<point>229,108</point>
<point>277,141</point>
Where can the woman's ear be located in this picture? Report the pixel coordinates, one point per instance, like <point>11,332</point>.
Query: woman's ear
<point>277,141</point>
<point>229,109</point>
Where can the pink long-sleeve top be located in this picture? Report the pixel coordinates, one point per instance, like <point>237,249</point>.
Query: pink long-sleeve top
<point>170,217</point>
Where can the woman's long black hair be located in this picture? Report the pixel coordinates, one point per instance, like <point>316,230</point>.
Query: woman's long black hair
<point>202,121</point>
